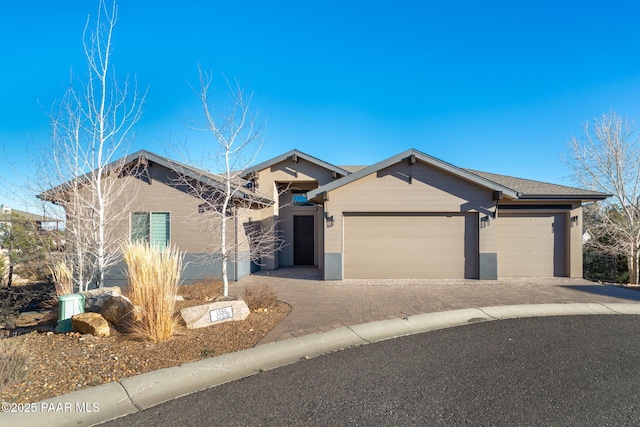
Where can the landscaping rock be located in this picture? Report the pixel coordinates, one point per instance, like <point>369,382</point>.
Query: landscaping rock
<point>91,323</point>
<point>29,318</point>
<point>94,299</point>
<point>214,313</point>
<point>10,325</point>
<point>222,298</point>
<point>50,317</point>
<point>118,310</point>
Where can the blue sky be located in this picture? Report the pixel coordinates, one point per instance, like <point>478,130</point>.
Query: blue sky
<point>499,86</point>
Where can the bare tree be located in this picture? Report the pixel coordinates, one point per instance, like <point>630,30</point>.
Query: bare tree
<point>239,216</point>
<point>607,159</point>
<point>90,130</point>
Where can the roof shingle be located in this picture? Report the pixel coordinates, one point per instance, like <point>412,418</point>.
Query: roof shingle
<point>530,188</point>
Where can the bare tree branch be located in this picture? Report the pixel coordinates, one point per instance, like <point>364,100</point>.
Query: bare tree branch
<point>239,221</point>
<point>90,129</point>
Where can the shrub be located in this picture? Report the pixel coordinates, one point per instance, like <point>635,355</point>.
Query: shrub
<point>259,296</point>
<point>62,278</point>
<point>9,304</point>
<point>25,297</point>
<point>14,362</point>
<point>204,289</point>
<point>154,278</point>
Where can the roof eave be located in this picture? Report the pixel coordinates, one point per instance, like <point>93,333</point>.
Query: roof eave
<point>179,168</point>
<point>463,173</point>
<point>282,157</point>
<point>583,197</point>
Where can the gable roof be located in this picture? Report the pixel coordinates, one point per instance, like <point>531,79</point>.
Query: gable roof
<point>353,168</point>
<point>300,154</point>
<point>462,173</point>
<point>143,157</point>
<point>515,188</point>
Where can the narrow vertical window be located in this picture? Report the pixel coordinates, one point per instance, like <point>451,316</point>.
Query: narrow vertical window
<point>160,230</point>
<point>140,227</point>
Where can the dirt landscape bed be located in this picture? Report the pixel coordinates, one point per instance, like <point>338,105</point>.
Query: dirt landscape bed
<point>63,363</point>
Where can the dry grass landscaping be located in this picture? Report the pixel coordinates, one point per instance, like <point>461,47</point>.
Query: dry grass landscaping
<point>62,363</point>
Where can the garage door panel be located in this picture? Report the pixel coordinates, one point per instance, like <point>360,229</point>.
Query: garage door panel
<point>410,246</point>
<point>532,245</point>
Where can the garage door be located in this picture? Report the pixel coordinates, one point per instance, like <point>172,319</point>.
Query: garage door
<point>403,246</point>
<point>532,245</point>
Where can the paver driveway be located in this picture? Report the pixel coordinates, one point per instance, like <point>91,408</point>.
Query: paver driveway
<point>319,306</point>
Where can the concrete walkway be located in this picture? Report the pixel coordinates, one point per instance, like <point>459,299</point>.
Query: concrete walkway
<point>319,306</point>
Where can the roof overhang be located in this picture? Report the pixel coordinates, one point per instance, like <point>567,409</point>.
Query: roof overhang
<point>587,197</point>
<point>317,195</point>
<point>144,158</point>
<point>296,155</point>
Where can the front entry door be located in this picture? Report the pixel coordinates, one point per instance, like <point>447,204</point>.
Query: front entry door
<point>303,247</point>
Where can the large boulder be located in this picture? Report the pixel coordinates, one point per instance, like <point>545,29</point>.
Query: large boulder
<point>91,323</point>
<point>119,310</point>
<point>94,299</point>
<point>214,313</point>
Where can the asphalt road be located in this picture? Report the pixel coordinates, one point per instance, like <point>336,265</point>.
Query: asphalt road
<point>556,371</point>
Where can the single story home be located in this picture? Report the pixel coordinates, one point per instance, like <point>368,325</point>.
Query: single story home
<point>415,216</point>
<point>410,216</point>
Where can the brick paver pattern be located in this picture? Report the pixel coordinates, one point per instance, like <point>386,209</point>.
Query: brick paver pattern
<point>319,306</point>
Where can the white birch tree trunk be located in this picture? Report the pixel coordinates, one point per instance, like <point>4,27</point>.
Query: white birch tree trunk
<point>90,132</point>
<point>236,141</point>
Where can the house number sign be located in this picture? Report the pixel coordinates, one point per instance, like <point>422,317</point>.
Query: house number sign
<point>221,314</point>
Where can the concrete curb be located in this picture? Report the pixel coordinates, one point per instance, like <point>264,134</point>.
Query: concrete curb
<point>117,399</point>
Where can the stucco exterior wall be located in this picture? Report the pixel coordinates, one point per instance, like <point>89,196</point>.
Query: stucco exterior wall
<point>404,188</point>
<point>575,240</point>
<point>193,232</point>
<point>280,181</point>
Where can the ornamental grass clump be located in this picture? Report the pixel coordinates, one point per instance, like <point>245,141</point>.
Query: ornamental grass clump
<point>62,278</point>
<point>14,362</point>
<point>154,278</point>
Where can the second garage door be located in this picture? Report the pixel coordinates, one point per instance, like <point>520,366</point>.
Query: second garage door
<point>406,246</point>
<point>532,245</point>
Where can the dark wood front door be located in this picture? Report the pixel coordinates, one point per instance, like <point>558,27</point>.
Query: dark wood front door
<point>303,247</point>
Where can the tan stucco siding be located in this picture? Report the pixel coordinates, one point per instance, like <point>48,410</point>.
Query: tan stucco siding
<point>429,190</point>
<point>247,220</point>
<point>279,181</point>
<point>303,174</point>
<point>394,194</point>
<point>575,241</point>
<point>389,190</point>
<point>290,171</point>
<point>189,230</point>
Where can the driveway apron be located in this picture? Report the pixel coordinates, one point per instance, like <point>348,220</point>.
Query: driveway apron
<point>318,305</point>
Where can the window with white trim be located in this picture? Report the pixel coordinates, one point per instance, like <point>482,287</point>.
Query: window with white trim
<point>151,227</point>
